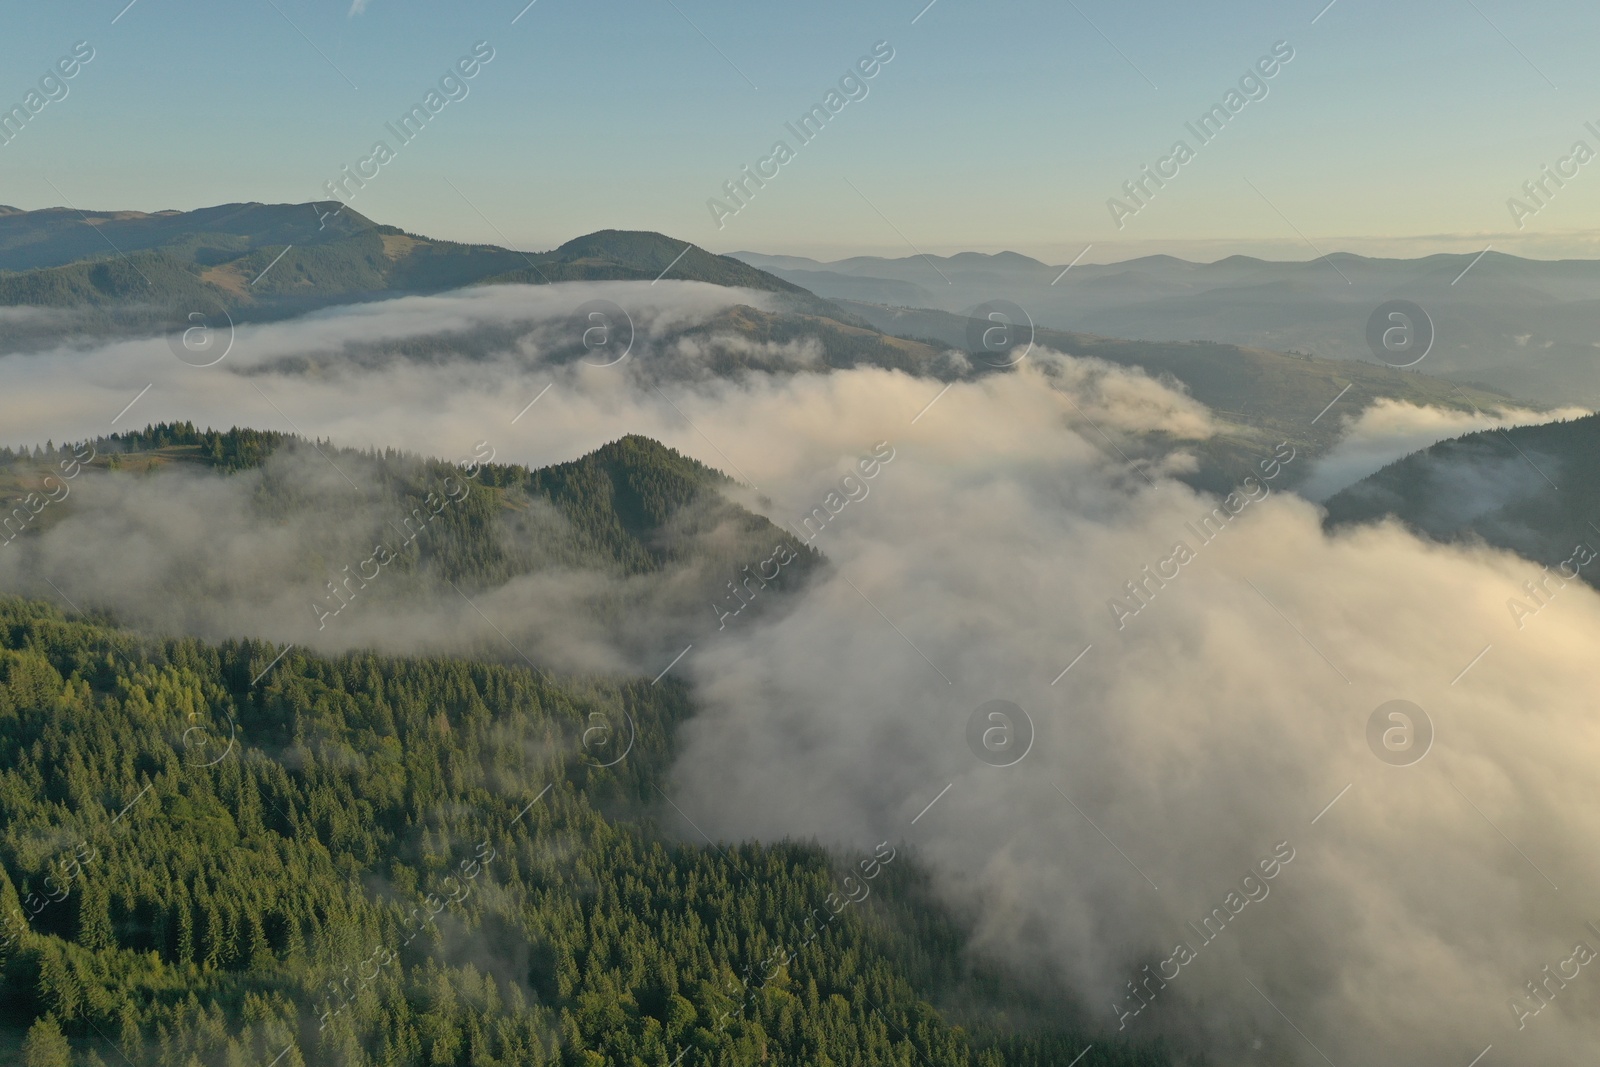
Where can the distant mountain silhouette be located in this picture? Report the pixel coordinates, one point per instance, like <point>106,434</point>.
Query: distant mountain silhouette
<point>270,260</point>
<point>1525,326</point>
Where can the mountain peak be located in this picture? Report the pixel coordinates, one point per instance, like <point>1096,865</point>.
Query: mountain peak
<point>642,248</point>
<point>641,254</point>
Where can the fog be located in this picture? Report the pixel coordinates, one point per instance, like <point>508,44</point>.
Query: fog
<point>1215,724</point>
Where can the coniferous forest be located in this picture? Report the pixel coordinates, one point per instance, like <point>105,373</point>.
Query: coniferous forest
<point>237,854</point>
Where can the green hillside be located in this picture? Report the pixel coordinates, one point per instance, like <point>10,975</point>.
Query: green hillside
<point>633,506</point>
<point>1532,489</point>
<point>373,860</point>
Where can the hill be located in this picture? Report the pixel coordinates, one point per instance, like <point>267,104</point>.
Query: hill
<point>1532,489</point>
<point>54,237</point>
<point>1261,396</point>
<point>231,852</point>
<point>265,261</point>
<point>235,853</point>
<point>634,540</point>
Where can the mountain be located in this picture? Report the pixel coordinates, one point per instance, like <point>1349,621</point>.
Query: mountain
<point>1259,396</point>
<point>263,261</point>
<point>54,237</point>
<point>427,858</point>
<point>632,506</point>
<point>257,260</point>
<point>1523,325</point>
<point>1532,489</point>
<point>867,290</point>
<point>238,851</point>
<point>272,260</point>
<point>633,544</point>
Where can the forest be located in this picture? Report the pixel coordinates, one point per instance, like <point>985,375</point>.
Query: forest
<point>236,854</point>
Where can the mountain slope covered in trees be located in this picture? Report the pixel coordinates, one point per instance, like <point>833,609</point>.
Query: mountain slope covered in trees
<point>1532,489</point>
<point>234,855</point>
<point>616,503</point>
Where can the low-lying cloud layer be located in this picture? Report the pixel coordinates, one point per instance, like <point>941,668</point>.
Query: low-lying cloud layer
<point>1181,750</point>
<point>1190,747</point>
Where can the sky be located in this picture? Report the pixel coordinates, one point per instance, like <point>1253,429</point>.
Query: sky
<point>1393,130</point>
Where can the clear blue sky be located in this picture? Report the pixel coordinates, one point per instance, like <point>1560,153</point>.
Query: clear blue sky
<point>996,125</point>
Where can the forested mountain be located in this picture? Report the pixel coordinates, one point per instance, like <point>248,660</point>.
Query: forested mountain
<point>634,544</point>
<point>270,260</point>
<point>617,502</point>
<point>236,855</point>
<point>1531,489</point>
<point>239,853</point>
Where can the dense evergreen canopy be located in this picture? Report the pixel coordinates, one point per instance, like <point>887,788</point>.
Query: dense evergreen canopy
<point>388,860</point>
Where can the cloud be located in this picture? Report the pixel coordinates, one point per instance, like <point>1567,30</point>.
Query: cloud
<point>1387,430</point>
<point>321,370</point>
<point>1128,399</point>
<point>1180,751</point>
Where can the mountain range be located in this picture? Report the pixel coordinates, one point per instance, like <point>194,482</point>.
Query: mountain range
<point>270,260</point>
<point>97,274</point>
<point>1527,326</point>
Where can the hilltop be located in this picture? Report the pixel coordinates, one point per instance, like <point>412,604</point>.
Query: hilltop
<point>265,261</point>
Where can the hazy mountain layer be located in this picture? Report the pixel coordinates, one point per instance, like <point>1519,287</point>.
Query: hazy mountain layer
<point>1527,326</point>
<point>1258,397</point>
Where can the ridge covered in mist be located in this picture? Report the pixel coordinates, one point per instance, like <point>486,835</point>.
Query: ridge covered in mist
<point>356,537</point>
<point>499,831</point>
<point>1256,395</point>
<point>1531,489</point>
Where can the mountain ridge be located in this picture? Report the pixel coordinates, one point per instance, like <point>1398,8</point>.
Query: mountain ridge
<point>1525,326</point>
<point>270,260</point>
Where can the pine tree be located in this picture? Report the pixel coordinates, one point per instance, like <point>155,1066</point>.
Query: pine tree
<point>45,1045</point>
<point>94,917</point>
